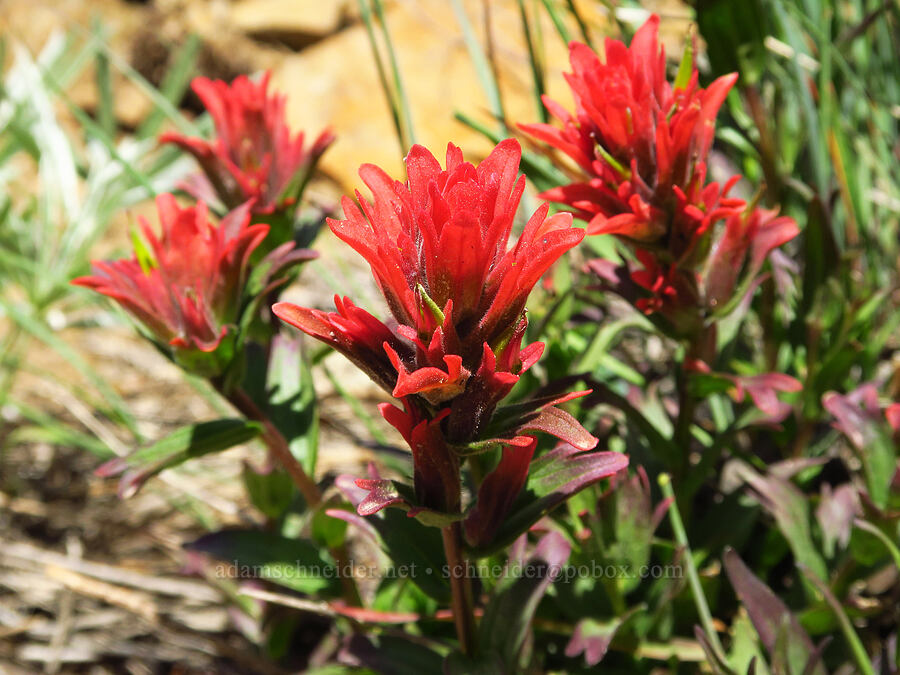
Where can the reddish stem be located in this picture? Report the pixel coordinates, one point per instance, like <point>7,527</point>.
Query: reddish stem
<point>460,589</point>
<point>280,449</point>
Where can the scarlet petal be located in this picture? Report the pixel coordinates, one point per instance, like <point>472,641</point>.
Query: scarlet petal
<point>433,383</point>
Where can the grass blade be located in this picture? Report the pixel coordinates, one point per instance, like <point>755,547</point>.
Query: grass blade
<point>482,67</point>
<point>174,84</point>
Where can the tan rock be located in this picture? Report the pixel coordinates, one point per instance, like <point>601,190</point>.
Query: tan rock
<point>335,83</point>
<point>294,22</point>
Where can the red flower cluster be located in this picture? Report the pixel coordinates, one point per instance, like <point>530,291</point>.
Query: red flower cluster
<point>187,288</point>
<point>438,248</point>
<point>643,144</point>
<point>254,156</point>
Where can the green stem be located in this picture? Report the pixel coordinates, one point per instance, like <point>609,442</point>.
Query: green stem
<point>681,435</point>
<point>853,641</point>
<point>665,483</point>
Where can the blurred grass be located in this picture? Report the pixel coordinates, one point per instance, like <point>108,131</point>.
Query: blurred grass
<point>47,233</point>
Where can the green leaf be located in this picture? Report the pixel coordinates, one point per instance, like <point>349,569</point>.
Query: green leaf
<point>271,492</point>
<point>482,66</point>
<point>420,549</point>
<point>856,646</point>
<point>47,429</point>
<point>105,103</point>
<point>292,403</point>
<point>879,465</point>
<point>187,443</point>
<point>39,330</point>
<point>686,67</point>
<point>293,563</point>
<point>791,512</point>
<point>327,530</point>
<point>141,252</point>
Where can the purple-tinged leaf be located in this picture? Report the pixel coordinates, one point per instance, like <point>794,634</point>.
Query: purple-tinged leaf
<point>713,660</point>
<point>497,493</point>
<point>381,494</point>
<point>566,469</point>
<point>859,417</point>
<point>346,483</point>
<point>559,423</point>
<point>592,638</point>
<point>836,511</point>
<point>790,509</point>
<point>770,616</point>
<point>553,478</point>
<point>509,612</point>
<point>541,414</point>
<point>855,413</point>
<point>788,468</point>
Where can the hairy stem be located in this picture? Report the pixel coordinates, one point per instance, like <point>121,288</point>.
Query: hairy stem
<point>278,446</point>
<point>460,589</point>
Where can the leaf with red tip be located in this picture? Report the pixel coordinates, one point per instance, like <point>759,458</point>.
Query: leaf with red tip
<point>592,638</point>
<point>381,494</point>
<point>559,423</point>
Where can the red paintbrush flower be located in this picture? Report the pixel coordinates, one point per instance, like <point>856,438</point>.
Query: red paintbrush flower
<point>254,155</point>
<point>187,284</point>
<point>438,246</point>
<point>643,144</point>
<point>642,141</point>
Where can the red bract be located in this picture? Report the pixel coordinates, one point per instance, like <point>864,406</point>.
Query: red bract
<point>188,286</point>
<point>438,246</point>
<point>642,142</point>
<point>254,155</point>
<point>748,239</point>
